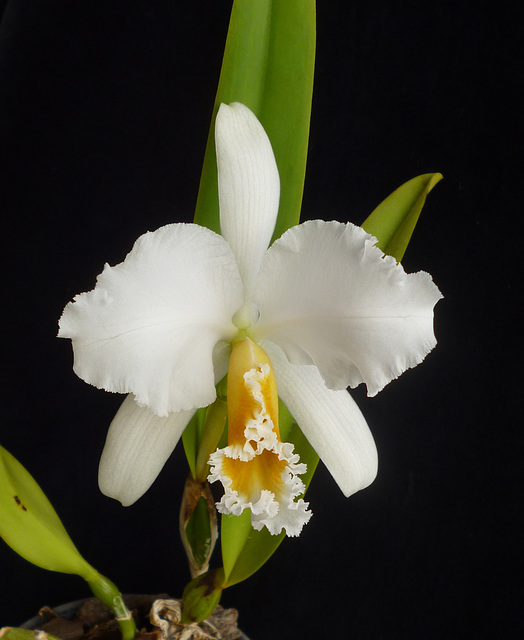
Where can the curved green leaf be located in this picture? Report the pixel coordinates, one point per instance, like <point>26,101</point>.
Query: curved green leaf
<point>32,528</point>
<point>268,66</point>
<point>30,525</point>
<point>393,221</point>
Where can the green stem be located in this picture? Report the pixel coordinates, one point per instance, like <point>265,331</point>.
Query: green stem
<point>108,594</point>
<point>216,416</point>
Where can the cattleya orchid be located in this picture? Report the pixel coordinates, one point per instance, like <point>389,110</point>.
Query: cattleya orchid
<point>321,309</point>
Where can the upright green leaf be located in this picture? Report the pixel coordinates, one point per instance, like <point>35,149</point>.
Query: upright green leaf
<point>235,532</point>
<point>393,221</point>
<point>268,66</point>
<point>30,525</point>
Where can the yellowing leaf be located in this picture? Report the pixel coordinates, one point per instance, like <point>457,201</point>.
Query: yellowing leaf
<point>30,525</point>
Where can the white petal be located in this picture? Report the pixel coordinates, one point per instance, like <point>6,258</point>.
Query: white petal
<point>328,296</point>
<point>248,186</point>
<point>330,420</point>
<point>137,446</point>
<point>152,322</point>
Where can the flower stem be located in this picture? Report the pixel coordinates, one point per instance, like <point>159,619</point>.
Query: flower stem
<point>213,428</point>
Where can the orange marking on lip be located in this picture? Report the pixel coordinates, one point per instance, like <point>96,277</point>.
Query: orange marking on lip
<point>250,477</point>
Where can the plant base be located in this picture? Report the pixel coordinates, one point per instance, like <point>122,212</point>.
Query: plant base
<point>91,620</point>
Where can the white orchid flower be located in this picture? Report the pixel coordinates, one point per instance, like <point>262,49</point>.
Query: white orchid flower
<point>320,310</point>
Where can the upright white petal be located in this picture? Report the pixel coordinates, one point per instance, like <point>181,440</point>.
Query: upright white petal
<point>248,187</point>
<point>151,324</point>
<point>328,296</point>
<point>137,446</point>
<point>330,420</point>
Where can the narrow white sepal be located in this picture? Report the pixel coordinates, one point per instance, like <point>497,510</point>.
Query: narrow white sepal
<point>328,296</point>
<point>137,446</point>
<point>248,187</point>
<point>330,420</point>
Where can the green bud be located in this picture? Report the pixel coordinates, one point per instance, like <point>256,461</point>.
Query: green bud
<point>201,596</point>
<point>198,525</point>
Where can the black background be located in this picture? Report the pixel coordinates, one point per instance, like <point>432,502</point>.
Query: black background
<point>104,112</point>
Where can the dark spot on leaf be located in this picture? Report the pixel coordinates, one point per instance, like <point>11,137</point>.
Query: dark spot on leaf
<point>19,503</point>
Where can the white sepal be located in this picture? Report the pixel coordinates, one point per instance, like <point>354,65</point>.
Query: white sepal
<point>248,187</point>
<point>137,446</point>
<point>330,420</point>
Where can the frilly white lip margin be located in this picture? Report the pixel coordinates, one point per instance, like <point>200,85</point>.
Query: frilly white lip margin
<point>275,509</point>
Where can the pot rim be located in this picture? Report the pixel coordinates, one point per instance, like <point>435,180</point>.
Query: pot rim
<point>65,610</point>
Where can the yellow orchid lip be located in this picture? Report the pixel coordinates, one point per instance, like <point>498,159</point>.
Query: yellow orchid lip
<point>256,469</point>
<point>252,395</point>
<point>251,477</point>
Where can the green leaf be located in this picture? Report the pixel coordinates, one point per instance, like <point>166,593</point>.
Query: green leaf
<point>235,531</point>
<point>268,65</point>
<point>191,437</point>
<point>30,525</point>
<point>244,550</point>
<point>393,221</point>
<point>32,528</point>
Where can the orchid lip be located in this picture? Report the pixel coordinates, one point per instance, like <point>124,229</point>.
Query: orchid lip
<point>256,469</point>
